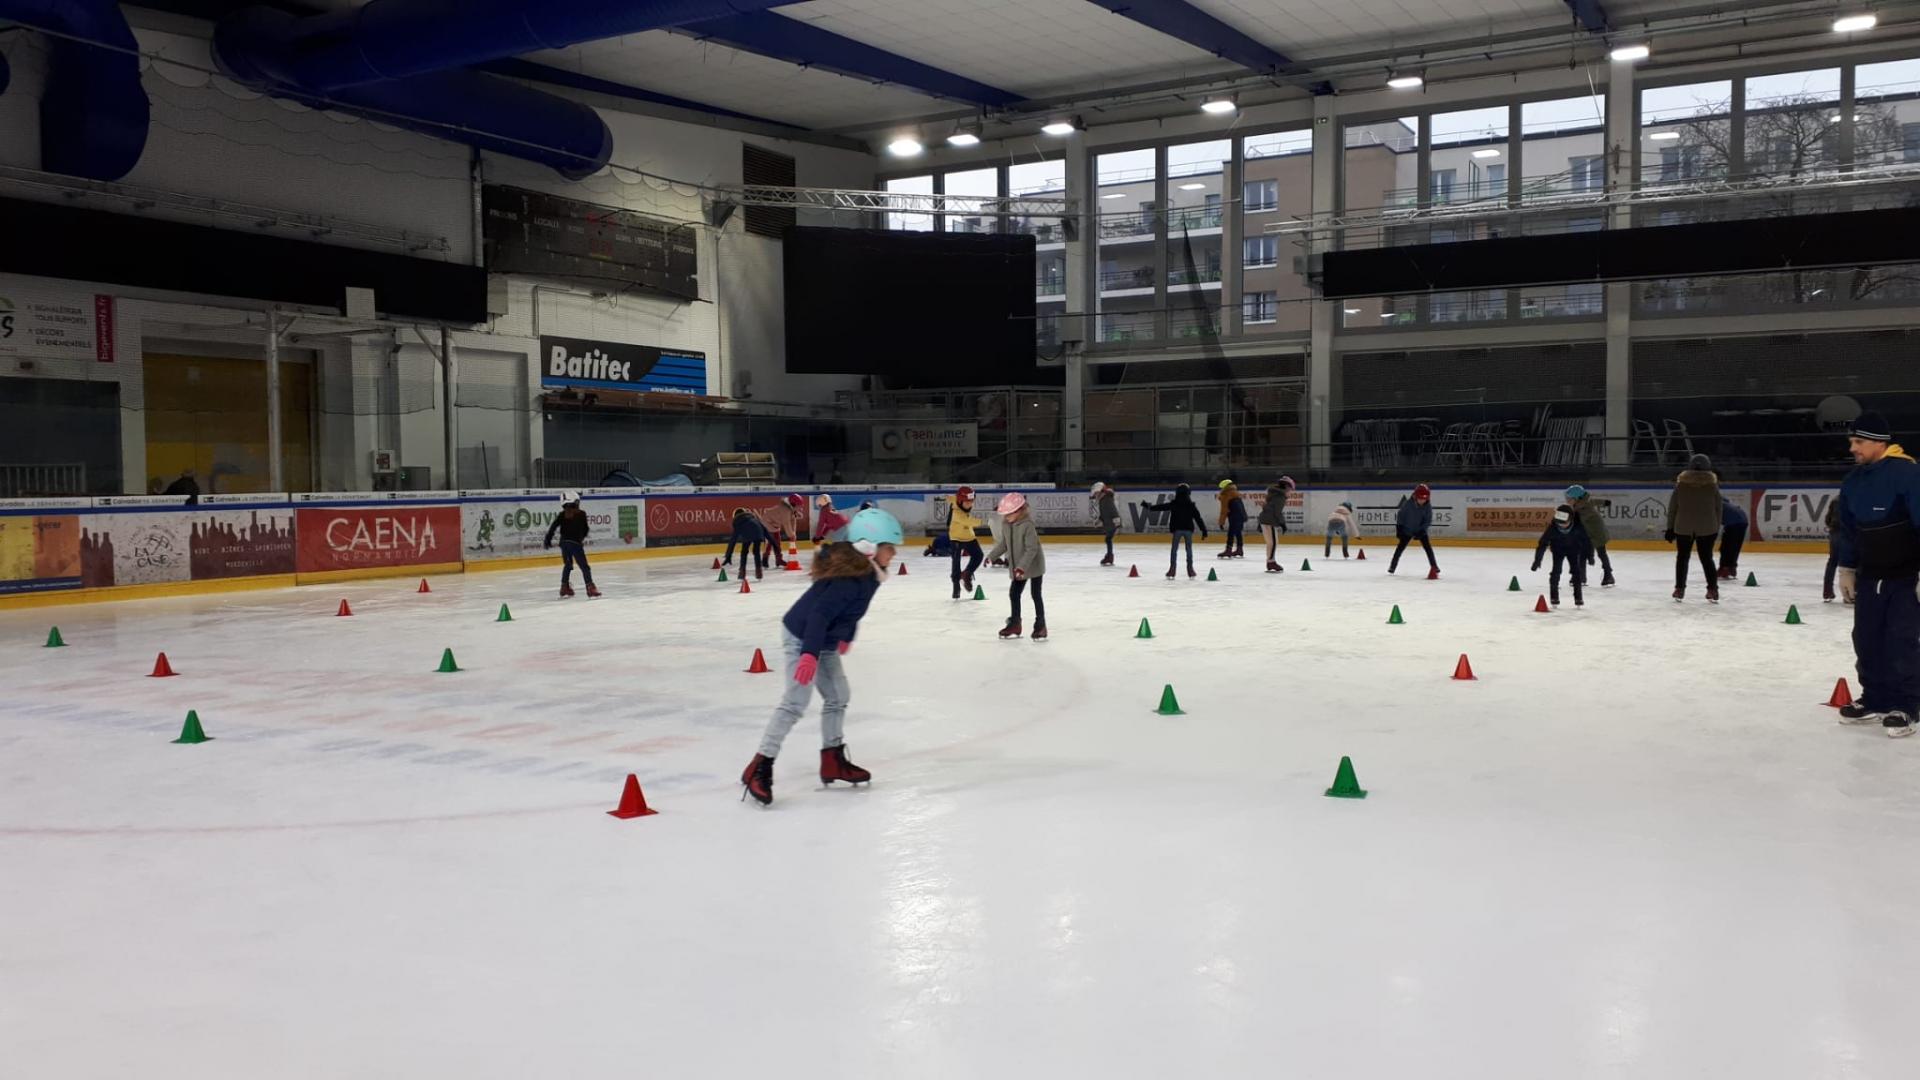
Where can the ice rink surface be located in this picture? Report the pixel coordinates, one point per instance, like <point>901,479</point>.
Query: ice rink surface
<point>1639,846</point>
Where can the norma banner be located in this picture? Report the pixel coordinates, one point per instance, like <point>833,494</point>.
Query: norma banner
<point>374,537</point>
<point>39,552</point>
<point>514,529</point>
<point>710,517</point>
<point>895,441</point>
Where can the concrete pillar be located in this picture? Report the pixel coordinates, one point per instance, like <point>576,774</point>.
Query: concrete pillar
<point>1623,145</point>
<point>276,477</point>
<point>1323,365</point>
<point>1077,328</point>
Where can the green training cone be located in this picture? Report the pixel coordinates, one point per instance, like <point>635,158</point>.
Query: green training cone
<point>446,662</point>
<point>190,732</point>
<point>1752,582</point>
<point>1169,705</point>
<point>53,639</point>
<point>1345,784</point>
<point>1306,564</point>
<point>1211,576</point>
<point>1395,619</point>
<point>979,592</point>
<point>723,575</point>
<point>505,615</point>
<point>1793,615</point>
<point>1145,630</point>
<point>1513,584</point>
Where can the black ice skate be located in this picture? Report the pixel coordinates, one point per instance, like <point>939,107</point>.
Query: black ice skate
<point>1274,567</point>
<point>1606,580</point>
<point>1553,594</point>
<point>592,591</point>
<point>956,588</point>
<point>1227,554</point>
<point>1713,592</point>
<point>1856,713</point>
<point>835,766</point>
<point>565,591</point>
<point>1898,725</point>
<point>1170,572</point>
<point>966,582</point>
<point>757,780</point>
<point>1826,596</point>
<point>1578,600</point>
<point>1190,571</point>
<point>1107,560</point>
<point>1679,593</point>
<point>1011,630</point>
<point>1040,631</point>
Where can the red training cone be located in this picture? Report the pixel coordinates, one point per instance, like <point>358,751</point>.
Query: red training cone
<point>1842,697</point>
<point>1463,671</point>
<point>1134,570</point>
<point>1433,573</point>
<point>716,563</point>
<point>744,587</point>
<point>162,669</point>
<point>902,571</point>
<point>759,665</point>
<point>1362,555</point>
<point>423,586</point>
<point>344,610</point>
<point>632,803</point>
<point>1540,606</point>
<point>793,564</point>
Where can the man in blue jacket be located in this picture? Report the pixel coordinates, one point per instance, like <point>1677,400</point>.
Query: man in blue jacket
<point>1733,537</point>
<point>1878,550</point>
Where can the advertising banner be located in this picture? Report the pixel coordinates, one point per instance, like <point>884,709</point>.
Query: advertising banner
<point>134,549</point>
<point>1498,513</point>
<point>56,325</point>
<point>710,517</point>
<point>39,552</point>
<point>513,529</point>
<point>371,537</point>
<point>894,441</point>
<point>241,543</point>
<point>616,365</point>
<point>1798,513</point>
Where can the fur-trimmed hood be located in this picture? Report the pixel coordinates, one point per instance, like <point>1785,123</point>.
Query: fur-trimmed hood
<point>1697,478</point>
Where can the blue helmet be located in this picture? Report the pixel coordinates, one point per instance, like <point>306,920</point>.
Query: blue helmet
<point>871,528</point>
<point>1576,492</point>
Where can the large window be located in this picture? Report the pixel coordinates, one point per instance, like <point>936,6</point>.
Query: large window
<point>911,221</point>
<point>1686,132</point>
<point>1035,179</point>
<point>1886,113</point>
<point>1277,181</point>
<point>1259,307</point>
<point>971,198</point>
<point>1469,156</point>
<point>1563,143</point>
<point>1381,165</point>
<point>1791,124</point>
<point>1124,183</point>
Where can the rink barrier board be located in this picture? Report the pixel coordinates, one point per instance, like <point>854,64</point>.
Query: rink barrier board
<point>917,505</point>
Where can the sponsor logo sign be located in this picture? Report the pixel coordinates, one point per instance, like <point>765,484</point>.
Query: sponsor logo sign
<point>364,537</point>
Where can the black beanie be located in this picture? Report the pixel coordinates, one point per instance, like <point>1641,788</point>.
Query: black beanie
<point>1872,425</point>
<point>1700,463</point>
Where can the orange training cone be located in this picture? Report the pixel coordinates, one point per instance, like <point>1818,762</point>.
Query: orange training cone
<point>759,665</point>
<point>1134,570</point>
<point>344,610</point>
<point>632,803</point>
<point>744,587</point>
<point>1842,697</point>
<point>1463,671</point>
<point>162,669</point>
<point>423,586</point>
<point>793,564</point>
<point>1540,605</point>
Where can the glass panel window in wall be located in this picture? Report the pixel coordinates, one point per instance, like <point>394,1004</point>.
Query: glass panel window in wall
<point>1886,113</point>
<point>972,197</point>
<point>1196,198</point>
<point>1277,187</point>
<point>1470,156</point>
<point>1563,144</point>
<point>1043,179</point>
<point>914,220</point>
<point>1381,165</point>
<point>1792,123</point>
<point>1124,201</point>
<point>1686,133</point>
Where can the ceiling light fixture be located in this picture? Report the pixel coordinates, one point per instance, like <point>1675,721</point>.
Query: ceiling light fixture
<point>1352,310</point>
<point>1115,195</point>
<point>1405,82</point>
<point>963,138</point>
<point>1853,24</point>
<point>904,146</point>
<point>1219,106</point>
<point>1488,152</point>
<point>1664,136</point>
<point>1193,187</point>
<point>1625,54</point>
<point>1062,127</point>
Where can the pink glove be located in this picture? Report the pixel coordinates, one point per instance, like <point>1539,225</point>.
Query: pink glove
<point>803,672</point>
<point>844,646</point>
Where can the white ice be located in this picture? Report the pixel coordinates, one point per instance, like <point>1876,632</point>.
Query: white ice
<point>1639,846</point>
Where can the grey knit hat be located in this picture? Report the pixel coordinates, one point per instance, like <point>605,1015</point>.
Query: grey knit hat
<point>1700,463</point>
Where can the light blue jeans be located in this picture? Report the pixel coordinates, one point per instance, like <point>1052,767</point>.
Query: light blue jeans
<point>830,680</point>
<point>1179,536</point>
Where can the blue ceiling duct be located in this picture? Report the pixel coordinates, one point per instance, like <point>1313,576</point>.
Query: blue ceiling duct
<point>93,110</point>
<point>395,39</point>
<point>464,106</point>
<point>796,42</point>
<point>1589,14</point>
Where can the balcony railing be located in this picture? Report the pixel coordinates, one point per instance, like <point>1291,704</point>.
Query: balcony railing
<point>1127,327</point>
<point>1121,226</point>
<point>1193,276</point>
<point>1050,287</point>
<point>1202,218</point>
<point>1132,277</point>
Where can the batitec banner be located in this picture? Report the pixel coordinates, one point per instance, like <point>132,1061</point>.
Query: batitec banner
<point>375,537</point>
<point>514,529</point>
<point>615,365</point>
